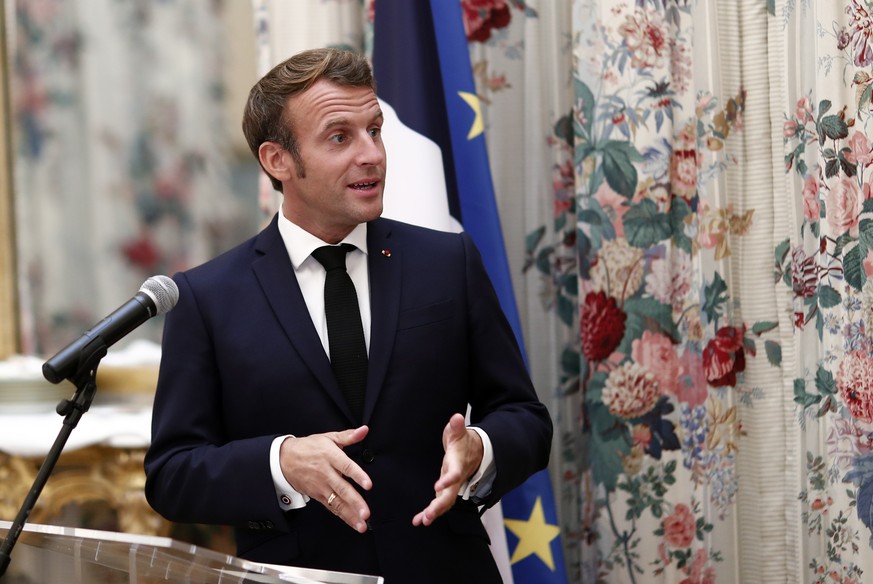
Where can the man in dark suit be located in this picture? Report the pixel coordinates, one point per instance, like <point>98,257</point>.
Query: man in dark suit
<point>252,427</point>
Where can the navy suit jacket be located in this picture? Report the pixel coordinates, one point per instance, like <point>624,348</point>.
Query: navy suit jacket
<point>242,364</point>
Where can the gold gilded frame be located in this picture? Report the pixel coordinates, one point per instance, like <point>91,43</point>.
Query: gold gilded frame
<point>9,329</point>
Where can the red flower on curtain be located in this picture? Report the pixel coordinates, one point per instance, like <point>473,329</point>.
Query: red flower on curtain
<point>141,252</point>
<point>483,16</point>
<point>860,32</point>
<point>601,326</point>
<point>804,273</point>
<point>724,357</point>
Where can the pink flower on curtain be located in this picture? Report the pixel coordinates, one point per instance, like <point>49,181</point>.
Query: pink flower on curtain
<point>867,263</point>
<point>680,527</point>
<point>641,435</point>
<point>684,164</point>
<point>683,173</point>
<point>655,352</point>
<point>563,186</point>
<point>699,572</point>
<point>669,278</point>
<point>855,384</point>
<point>803,110</point>
<point>647,37</point>
<point>724,356</point>
<point>681,67</point>
<point>601,324</point>
<point>482,16</point>
<point>614,205</point>
<point>843,206</point>
<point>859,150</point>
<point>811,205</point>
<point>692,389</point>
<point>630,391</point>
<point>843,39</point>
<point>860,31</point>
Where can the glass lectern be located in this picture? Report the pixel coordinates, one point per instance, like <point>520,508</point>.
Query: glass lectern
<point>51,554</point>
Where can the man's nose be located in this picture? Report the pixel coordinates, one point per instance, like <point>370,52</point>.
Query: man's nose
<point>371,151</point>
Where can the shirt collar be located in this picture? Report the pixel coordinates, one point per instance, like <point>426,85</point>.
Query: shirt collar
<point>300,243</point>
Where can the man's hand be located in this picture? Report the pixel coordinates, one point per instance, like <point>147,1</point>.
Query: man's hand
<point>463,456</point>
<point>316,466</point>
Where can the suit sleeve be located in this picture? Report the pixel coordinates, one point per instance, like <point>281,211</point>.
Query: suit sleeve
<point>193,472</point>
<point>504,402</point>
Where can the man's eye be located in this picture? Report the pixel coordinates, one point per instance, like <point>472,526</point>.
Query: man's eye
<point>338,138</point>
<point>375,132</point>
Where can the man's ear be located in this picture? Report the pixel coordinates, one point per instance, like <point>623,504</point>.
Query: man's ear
<point>276,161</point>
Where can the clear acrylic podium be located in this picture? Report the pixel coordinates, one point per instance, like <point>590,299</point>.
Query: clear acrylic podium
<point>51,554</point>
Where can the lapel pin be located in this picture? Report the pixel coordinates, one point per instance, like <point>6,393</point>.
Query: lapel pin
<point>386,253</point>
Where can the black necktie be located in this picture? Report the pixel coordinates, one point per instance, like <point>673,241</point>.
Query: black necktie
<point>348,351</point>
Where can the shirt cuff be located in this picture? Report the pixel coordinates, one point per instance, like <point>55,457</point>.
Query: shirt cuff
<point>478,486</point>
<point>288,497</point>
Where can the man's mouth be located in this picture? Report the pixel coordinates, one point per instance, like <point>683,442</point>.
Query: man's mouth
<point>363,186</point>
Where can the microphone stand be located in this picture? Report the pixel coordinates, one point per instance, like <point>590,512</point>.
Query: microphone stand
<point>72,409</point>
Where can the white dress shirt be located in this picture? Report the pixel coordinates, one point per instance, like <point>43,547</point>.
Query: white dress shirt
<point>310,276</point>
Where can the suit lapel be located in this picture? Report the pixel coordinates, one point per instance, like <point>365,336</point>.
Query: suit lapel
<point>384,261</point>
<point>275,274</point>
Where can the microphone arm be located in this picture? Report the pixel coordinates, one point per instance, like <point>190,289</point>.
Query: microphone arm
<point>78,362</point>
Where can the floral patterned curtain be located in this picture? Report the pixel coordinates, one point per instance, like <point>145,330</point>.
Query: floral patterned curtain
<point>721,224</point>
<point>665,343</point>
<point>122,165</point>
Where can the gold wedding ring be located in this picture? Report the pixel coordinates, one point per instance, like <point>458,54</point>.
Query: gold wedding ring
<point>330,499</point>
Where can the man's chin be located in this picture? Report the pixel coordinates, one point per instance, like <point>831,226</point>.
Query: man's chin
<point>373,212</point>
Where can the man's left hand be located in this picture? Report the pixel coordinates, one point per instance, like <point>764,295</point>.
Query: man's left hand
<point>464,452</point>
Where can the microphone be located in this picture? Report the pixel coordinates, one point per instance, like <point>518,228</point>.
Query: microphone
<point>157,295</point>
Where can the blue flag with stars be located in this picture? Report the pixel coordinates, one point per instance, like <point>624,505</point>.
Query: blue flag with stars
<point>422,66</point>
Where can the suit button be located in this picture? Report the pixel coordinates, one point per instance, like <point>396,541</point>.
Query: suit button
<point>368,455</point>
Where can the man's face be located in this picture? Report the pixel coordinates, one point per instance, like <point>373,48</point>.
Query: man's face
<point>342,177</point>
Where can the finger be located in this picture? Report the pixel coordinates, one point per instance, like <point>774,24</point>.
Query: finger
<point>347,504</point>
<point>345,465</point>
<point>349,437</point>
<point>451,474</point>
<point>440,505</point>
<point>349,468</point>
<point>454,430</point>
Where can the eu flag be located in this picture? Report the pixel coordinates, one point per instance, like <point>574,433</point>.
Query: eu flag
<point>422,66</point>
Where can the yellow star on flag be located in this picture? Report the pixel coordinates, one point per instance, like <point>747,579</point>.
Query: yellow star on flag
<point>478,123</point>
<point>534,536</point>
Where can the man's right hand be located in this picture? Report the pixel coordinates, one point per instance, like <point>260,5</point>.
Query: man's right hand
<point>316,466</point>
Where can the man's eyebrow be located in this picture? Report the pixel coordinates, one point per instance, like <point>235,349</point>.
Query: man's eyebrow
<point>346,121</point>
<point>335,122</point>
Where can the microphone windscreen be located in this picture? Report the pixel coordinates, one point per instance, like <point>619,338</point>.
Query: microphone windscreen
<point>163,291</point>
